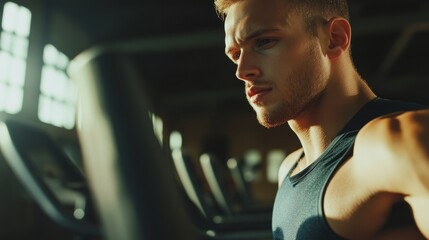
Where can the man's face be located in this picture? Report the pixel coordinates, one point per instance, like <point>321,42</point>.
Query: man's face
<point>280,62</point>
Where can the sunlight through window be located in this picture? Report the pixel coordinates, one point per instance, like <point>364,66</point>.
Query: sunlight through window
<point>16,24</point>
<point>57,92</point>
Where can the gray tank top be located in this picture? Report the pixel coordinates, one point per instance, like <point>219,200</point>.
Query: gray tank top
<point>298,208</point>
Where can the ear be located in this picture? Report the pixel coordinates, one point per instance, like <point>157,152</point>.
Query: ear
<point>339,35</point>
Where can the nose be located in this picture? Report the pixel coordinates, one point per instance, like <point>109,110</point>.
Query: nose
<point>247,69</point>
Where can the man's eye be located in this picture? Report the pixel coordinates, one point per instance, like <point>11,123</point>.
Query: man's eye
<point>265,42</point>
<point>236,56</point>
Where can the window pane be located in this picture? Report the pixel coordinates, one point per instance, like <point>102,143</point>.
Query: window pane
<point>17,72</point>
<point>6,41</point>
<point>5,60</point>
<point>23,24</point>
<point>14,100</point>
<point>44,84</point>
<point>48,78</point>
<point>44,109</point>
<point>10,11</point>
<point>20,47</point>
<point>50,54</point>
<point>3,92</point>
<point>61,86</point>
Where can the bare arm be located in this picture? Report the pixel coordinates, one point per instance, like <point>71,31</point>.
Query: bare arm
<point>392,155</point>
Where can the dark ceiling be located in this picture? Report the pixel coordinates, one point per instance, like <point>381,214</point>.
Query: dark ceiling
<point>178,46</point>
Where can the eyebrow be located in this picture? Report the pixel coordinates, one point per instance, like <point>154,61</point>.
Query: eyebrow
<point>253,35</point>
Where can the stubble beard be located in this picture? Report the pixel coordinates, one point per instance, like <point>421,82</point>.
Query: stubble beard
<point>305,88</point>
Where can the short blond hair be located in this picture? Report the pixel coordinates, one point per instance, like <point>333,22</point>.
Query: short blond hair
<point>222,7</point>
<point>324,7</point>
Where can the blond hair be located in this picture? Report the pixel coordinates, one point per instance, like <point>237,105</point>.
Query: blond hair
<point>222,7</point>
<point>324,7</point>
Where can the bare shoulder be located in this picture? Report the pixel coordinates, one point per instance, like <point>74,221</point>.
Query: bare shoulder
<point>288,163</point>
<point>395,146</point>
<point>401,131</point>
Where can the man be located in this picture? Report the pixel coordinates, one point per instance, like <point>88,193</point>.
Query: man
<point>363,169</point>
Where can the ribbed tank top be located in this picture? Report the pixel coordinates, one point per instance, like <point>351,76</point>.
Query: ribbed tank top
<point>298,207</point>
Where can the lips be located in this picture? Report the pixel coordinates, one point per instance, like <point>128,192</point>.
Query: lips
<point>256,92</point>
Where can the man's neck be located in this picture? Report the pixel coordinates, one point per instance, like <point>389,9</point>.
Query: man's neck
<point>318,125</point>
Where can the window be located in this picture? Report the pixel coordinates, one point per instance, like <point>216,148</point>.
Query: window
<point>57,99</point>
<point>13,56</point>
